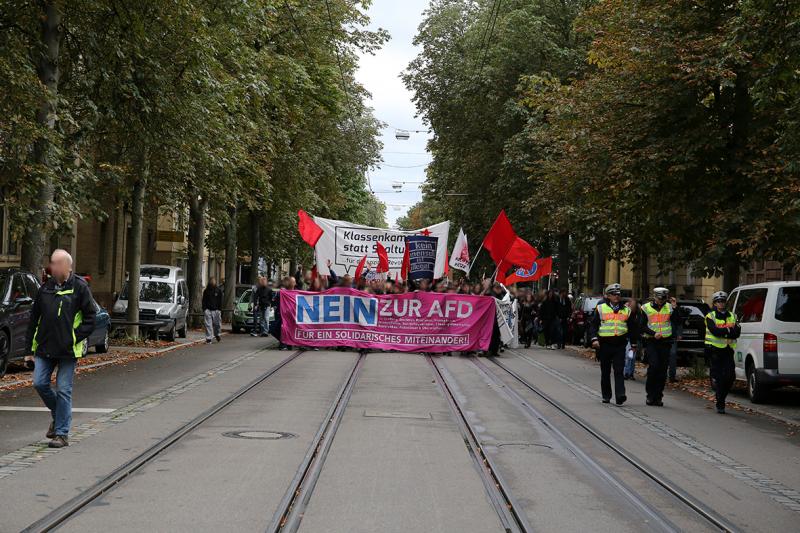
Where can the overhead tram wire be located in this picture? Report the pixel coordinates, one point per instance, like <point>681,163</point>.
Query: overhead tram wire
<point>492,21</point>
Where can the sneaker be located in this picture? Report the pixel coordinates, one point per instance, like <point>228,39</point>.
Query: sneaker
<point>621,400</point>
<point>254,334</point>
<point>51,431</point>
<point>606,400</point>
<point>59,441</point>
<point>721,410</point>
<point>218,338</point>
<point>208,341</point>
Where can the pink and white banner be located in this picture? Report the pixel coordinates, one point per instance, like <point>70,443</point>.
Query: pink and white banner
<point>409,322</point>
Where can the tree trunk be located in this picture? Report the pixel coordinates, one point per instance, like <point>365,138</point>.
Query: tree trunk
<point>34,238</point>
<point>197,235</point>
<point>255,245</point>
<point>645,273</point>
<point>563,261</point>
<point>135,244</point>
<point>230,263</point>
<point>599,270</point>
<point>730,275</point>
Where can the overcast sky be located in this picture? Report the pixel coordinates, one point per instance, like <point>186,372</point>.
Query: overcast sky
<point>380,74</point>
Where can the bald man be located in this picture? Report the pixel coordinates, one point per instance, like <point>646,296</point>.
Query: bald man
<point>61,320</point>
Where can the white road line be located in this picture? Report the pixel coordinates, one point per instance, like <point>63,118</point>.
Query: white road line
<point>45,409</point>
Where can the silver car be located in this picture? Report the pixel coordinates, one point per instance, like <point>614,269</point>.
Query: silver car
<point>162,296</point>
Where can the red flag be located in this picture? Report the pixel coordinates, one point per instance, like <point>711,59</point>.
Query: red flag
<point>308,229</point>
<point>539,269</point>
<point>500,238</point>
<point>383,259</point>
<point>360,267</point>
<point>521,254</point>
<point>446,264</point>
<point>406,266</point>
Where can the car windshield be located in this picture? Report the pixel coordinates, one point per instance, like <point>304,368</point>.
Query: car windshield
<point>590,302</point>
<point>151,291</point>
<point>241,289</point>
<point>787,308</point>
<point>245,296</point>
<point>695,309</point>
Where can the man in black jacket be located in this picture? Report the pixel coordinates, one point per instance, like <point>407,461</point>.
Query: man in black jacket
<point>62,318</point>
<point>262,302</point>
<point>212,310</point>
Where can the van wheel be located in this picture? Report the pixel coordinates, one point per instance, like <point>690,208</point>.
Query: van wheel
<point>755,389</point>
<point>103,346</point>
<point>170,336</point>
<point>5,352</point>
<point>182,331</point>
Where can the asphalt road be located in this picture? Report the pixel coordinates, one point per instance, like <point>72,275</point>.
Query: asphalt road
<point>398,460</point>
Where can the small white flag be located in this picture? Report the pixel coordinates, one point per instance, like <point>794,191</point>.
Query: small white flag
<point>459,259</point>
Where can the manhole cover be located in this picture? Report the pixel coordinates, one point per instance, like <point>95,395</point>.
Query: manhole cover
<point>261,435</point>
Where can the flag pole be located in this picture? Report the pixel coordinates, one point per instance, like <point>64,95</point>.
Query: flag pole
<point>474,259</point>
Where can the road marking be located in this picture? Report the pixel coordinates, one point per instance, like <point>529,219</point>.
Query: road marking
<point>46,410</point>
<point>29,455</point>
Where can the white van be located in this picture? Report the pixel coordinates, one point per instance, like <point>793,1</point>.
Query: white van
<point>162,296</point>
<point>767,354</point>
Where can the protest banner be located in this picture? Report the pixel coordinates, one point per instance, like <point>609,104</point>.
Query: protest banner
<point>409,322</point>
<point>422,253</point>
<point>345,243</point>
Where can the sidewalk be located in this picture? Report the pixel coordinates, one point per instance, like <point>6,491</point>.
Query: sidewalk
<point>18,376</point>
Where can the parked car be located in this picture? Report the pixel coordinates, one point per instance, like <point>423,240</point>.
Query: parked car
<point>767,354</point>
<point>582,311</point>
<point>243,312</point>
<point>162,296</point>
<point>99,337</point>
<point>693,335</point>
<point>18,289</point>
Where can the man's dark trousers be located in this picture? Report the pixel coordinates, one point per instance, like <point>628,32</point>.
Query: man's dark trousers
<point>723,372</point>
<point>612,356</point>
<point>657,361</point>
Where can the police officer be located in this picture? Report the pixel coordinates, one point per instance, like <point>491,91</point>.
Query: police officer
<point>721,334</point>
<point>659,321</point>
<point>610,329</point>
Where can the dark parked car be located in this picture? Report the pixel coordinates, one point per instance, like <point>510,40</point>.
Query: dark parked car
<point>693,335</point>
<point>99,337</point>
<point>582,311</point>
<point>18,288</point>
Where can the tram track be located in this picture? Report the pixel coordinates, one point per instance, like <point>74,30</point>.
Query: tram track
<point>74,506</point>
<point>292,507</point>
<point>695,506</point>
<point>508,510</point>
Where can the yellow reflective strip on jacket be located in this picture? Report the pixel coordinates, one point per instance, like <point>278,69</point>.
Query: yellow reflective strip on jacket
<point>658,320</point>
<point>35,343</point>
<point>613,324</point>
<point>64,292</point>
<point>728,322</point>
<point>77,347</point>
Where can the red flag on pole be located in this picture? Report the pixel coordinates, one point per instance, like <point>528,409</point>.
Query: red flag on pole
<point>383,259</point>
<point>308,229</point>
<point>360,267</point>
<point>406,266</point>
<point>500,238</point>
<point>446,264</point>
<point>539,269</point>
<point>521,254</point>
